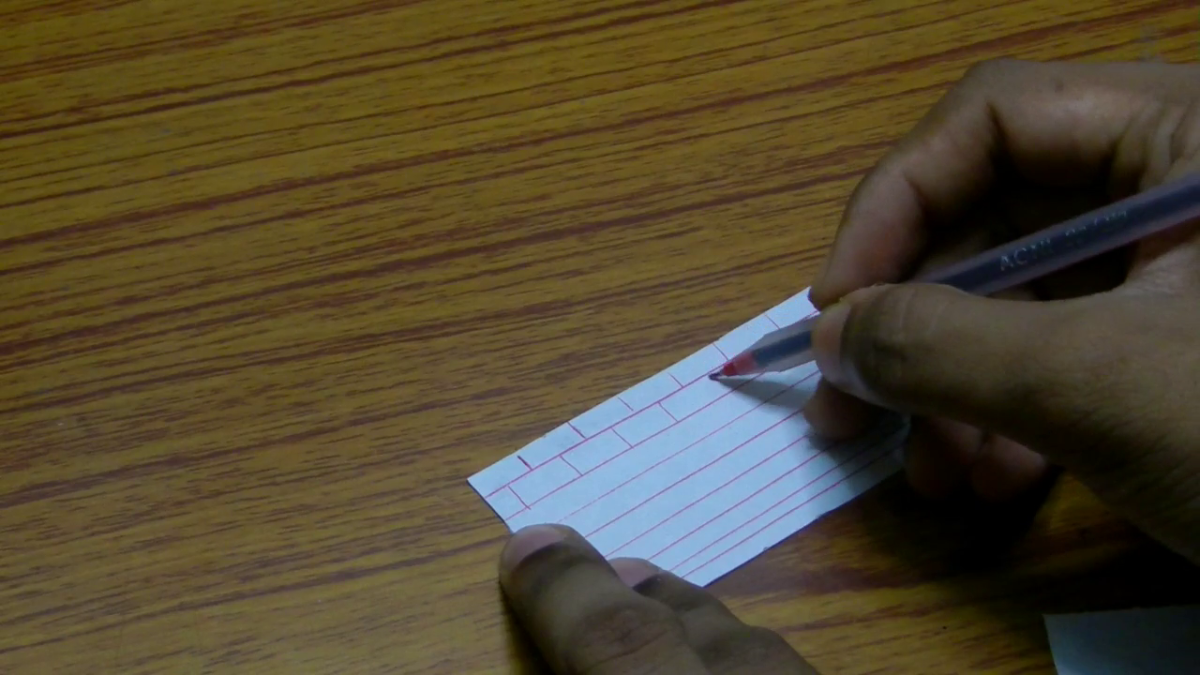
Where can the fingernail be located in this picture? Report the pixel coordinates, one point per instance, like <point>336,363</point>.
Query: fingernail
<point>633,571</point>
<point>528,541</point>
<point>827,343</point>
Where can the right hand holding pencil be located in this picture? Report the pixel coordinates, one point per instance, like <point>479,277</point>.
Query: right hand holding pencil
<point>1104,376</point>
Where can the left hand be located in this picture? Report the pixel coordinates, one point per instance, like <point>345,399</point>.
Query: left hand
<point>589,616</point>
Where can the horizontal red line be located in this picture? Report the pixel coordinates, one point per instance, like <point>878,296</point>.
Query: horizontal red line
<point>739,503</point>
<point>870,446</point>
<point>648,439</point>
<point>717,488</point>
<point>792,510</point>
<point>632,446</point>
<point>689,445</point>
<point>723,455</point>
<point>632,413</point>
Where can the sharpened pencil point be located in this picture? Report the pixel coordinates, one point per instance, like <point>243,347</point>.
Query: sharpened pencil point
<point>714,376</point>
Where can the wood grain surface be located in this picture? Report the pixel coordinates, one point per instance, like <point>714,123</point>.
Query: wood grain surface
<point>276,277</point>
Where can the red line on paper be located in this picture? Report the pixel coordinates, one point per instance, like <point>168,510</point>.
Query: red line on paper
<point>660,406</point>
<point>745,499</point>
<point>659,402</point>
<point>714,490</point>
<point>614,424</point>
<point>647,439</point>
<point>751,496</point>
<point>493,492</point>
<point>857,471</point>
<point>789,496</point>
<point>525,463</point>
<point>722,456</point>
<point>681,450</point>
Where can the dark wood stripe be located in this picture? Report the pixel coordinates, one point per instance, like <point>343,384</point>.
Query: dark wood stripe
<point>339,577</point>
<point>368,170</point>
<point>369,54</point>
<point>44,67</point>
<point>391,267</point>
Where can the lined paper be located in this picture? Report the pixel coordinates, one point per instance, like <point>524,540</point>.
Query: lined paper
<point>694,475</point>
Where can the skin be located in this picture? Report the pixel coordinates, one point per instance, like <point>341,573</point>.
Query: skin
<point>1095,370</point>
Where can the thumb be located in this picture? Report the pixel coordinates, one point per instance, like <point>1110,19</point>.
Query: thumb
<point>1027,370</point>
<point>1104,385</point>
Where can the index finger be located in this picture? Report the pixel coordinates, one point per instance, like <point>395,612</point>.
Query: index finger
<point>1055,123</point>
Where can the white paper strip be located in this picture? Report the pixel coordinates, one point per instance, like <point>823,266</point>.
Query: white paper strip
<point>694,475</point>
<point>1161,641</point>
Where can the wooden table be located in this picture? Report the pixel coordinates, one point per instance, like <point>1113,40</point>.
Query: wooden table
<point>278,276</point>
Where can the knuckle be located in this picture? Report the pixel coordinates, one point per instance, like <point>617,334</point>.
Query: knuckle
<point>747,646</point>
<point>620,636</point>
<point>990,71</point>
<point>1068,379</point>
<point>677,594</point>
<point>1185,137</point>
<point>892,334</point>
<point>1163,141</point>
<point>763,646</point>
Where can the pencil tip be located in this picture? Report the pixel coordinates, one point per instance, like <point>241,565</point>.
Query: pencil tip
<point>714,376</point>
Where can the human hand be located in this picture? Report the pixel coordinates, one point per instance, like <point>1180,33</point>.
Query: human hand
<point>1102,378</point>
<point>588,616</point>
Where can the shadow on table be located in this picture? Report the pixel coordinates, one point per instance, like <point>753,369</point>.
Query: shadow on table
<point>963,541</point>
<point>1014,562</point>
<point>1018,562</point>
